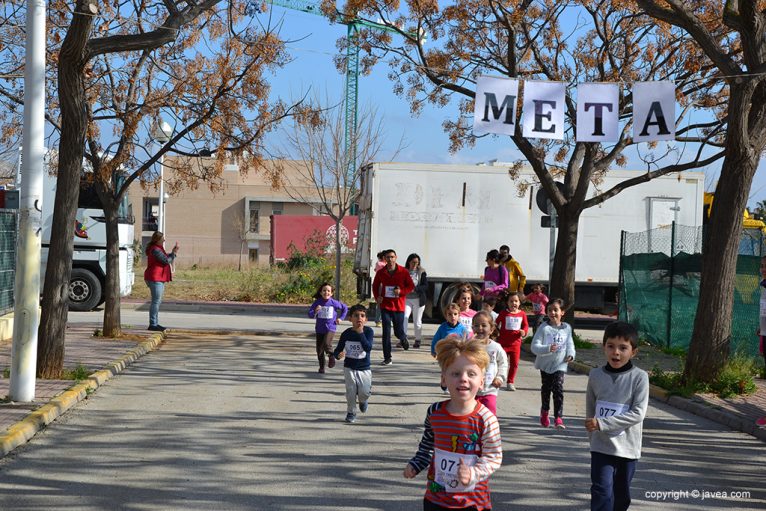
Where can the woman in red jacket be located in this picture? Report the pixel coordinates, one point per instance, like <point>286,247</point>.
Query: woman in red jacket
<point>157,273</point>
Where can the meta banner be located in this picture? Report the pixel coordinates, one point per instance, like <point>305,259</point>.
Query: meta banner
<point>544,110</point>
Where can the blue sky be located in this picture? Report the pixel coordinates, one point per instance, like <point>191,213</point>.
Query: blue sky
<point>313,69</point>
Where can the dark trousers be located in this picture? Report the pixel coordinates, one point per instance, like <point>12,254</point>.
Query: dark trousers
<point>610,477</point>
<point>552,383</point>
<point>324,346</point>
<point>430,506</point>
<point>397,317</point>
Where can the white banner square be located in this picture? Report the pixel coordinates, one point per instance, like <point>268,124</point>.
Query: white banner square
<point>654,111</point>
<point>495,106</point>
<point>598,117</point>
<point>543,114</point>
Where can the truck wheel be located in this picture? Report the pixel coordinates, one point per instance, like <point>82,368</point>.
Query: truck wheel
<point>84,290</point>
<point>450,292</point>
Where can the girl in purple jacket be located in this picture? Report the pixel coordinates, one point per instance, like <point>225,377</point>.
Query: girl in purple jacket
<point>328,313</point>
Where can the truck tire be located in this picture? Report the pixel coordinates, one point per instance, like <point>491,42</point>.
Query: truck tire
<point>450,292</point>
<point>84,290</point>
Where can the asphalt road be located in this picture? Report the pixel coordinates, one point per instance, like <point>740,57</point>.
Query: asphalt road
<point>236,422</point>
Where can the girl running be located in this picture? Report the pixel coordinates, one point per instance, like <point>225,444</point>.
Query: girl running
<point>328,313</point>
<point>484,330</point>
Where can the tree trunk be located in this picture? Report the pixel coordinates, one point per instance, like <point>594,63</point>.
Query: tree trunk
<point>71,94</point>
<point>111,326</point>
<point>338,227</point>
<point>709,348</point>
<point>565,259</point>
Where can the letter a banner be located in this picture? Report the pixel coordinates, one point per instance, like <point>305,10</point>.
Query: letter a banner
<point>654,111</point>
<point>597,117</point>
<point>543,115</point>
<point>495,106</point>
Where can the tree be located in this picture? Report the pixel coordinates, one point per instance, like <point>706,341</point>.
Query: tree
<point>321,179</point>
<point>731,38</point>
<point>579,41</point>
<point>760,210</point>
<point>119,69</point>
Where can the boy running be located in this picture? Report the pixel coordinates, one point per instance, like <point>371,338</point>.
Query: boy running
<point>355,345</point>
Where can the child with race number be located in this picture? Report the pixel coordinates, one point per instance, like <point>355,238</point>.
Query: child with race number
<point>539,302</point>
<point>328,313</point>
<point>488,304</point>
<point>355,345</point>
<point>451,326</point>
<point>513,327</point>
<point>484,330</point>
<point>463,299</point>
<point>461,444</point>
<point>554,346</point>
<point>615,406</point>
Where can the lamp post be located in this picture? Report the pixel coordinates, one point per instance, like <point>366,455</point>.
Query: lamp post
<point>161,133</point>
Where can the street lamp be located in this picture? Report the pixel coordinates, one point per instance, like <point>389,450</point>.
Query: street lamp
<point>161,133</point>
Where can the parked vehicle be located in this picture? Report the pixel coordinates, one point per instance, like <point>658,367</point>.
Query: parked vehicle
<point>86,284</point>
<point>451,215</point>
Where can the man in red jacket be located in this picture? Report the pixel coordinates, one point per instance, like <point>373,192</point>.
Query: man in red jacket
<point>391,286</point>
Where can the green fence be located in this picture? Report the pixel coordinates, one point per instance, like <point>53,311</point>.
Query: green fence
<point>8,236</point>
<point>659,286</point>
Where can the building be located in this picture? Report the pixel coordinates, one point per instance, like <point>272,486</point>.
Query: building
<point>222,227</point>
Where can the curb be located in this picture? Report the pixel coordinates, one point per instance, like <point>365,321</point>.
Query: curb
<point>21,432</point>
<point>693,406</point>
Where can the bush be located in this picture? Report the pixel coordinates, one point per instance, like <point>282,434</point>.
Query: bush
<point>735,379</point>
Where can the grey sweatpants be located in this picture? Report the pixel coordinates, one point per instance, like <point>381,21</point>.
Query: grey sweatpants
<point>358,385</point>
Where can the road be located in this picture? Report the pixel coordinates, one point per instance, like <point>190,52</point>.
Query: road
<point>236,422</point>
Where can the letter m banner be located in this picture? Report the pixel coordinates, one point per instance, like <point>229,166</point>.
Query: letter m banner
<point>495,106</point>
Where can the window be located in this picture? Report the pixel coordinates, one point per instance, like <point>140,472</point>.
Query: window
<point>252,255</point>
<point>277,208</point>
<point>253,208</point>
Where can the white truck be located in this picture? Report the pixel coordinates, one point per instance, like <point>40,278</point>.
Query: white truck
<point>86,284</point>
<point>452,215</point>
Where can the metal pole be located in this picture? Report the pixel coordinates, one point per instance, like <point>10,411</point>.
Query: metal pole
<point>161,206</point>
<point>552,243</point>
<point>27,293</point>
<point>670,287</point>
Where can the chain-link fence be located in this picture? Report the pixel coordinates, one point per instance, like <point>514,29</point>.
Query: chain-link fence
<point>8,237</point>
<point>660,281</point>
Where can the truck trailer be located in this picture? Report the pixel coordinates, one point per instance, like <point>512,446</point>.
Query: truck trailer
<point>452,215</point>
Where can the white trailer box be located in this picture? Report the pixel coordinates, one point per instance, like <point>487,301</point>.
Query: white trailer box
<point>452,215</point>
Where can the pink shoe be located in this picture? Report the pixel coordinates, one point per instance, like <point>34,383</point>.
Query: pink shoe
<point>560,423</point>
<point>544,420</point>
<point>761,423</point>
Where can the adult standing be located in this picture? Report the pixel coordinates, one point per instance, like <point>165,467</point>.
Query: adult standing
<point>516,278</point>
<point>158,272</point>
<point>391,286</point>
<point>415,302</point>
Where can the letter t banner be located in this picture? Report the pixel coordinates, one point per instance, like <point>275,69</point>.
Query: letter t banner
<point>495,106</point>
<point>654,111</point>
<point>544,110</point>
<point>597,115</point>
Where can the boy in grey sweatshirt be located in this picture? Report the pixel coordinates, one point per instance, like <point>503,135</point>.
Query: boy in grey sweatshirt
<point>615,407</point>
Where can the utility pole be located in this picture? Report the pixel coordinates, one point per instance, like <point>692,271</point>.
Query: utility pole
<point>26,316</point>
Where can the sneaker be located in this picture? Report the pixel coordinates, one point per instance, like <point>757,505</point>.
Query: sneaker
<point>761,423</point>
<point>416,345</point>
<point>560,423</point>
<point>444,390</point>
<point>321,370</point>
<point>386,362</point>
<point>156,328</point>
<point>511,387</point>
<point>544,420</point>
<point>378,323</point>
<point>351,418</point>
<point>405,344</point>
<point>330,362</point>
<point>363,407</point>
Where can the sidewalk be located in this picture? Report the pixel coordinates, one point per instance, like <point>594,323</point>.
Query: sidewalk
<point>103,358</point>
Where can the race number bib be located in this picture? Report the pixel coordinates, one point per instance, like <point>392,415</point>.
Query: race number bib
<point>763,307</point>
<point>446,464</point>
<point>491,371</point>
<point>326,312</point>
<point>488,284</point>
<point>467,323</point>
<point>354,350</point>
<point>554,338</point>
<point>537,307</point>
<point>390,292</point>
<point>606,409</point>
<point>513,323</point>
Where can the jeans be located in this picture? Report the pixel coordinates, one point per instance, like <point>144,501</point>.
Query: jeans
<point>611,477</point>
<point>397,317</point>
<point>414,307</point>
<point>156,288</point>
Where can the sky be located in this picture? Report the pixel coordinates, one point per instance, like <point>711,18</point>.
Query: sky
<point>312,69</point>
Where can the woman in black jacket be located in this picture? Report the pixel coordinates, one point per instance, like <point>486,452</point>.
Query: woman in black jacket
<point>416,300</point>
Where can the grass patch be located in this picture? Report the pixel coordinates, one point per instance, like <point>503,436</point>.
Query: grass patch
<point>78,373</point>
<point>675,351</point>
<point>7,372</point>
<point>735,379</point>
<point>582,344</point>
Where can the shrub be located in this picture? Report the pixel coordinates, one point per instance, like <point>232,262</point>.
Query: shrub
<point>736,378</point>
